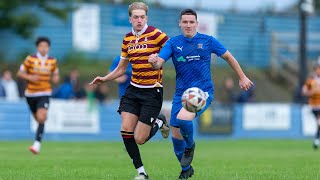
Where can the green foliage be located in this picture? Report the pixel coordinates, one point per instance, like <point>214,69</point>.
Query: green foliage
<point>23,23</point>
<point>317,5</point>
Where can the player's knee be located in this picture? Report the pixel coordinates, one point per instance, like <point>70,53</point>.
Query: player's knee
<point>139,140</point>
<point>176,134</point>
<point>41,116</point>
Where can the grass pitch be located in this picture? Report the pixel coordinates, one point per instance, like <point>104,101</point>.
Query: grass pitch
<point>218,159</point>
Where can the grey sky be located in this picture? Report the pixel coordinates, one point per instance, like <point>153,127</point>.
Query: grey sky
<point>242,5</point>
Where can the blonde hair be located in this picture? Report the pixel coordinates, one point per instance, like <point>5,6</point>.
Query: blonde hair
<point>137,5</point>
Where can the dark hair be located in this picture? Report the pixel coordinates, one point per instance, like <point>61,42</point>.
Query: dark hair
<point>42,39</point>
<point>188,12</point>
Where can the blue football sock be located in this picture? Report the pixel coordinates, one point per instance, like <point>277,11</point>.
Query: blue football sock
<point>178,147</point>
<point>186,168</point>
<point>186,130</point>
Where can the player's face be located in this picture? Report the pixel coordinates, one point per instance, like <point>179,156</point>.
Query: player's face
<point>43,48</point>
<point>138,19</point>
<point>188,24</point>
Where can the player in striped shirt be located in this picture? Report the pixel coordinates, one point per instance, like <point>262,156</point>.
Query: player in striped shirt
<point>38,70</point>
<point>311,89</point>
<point>191,56</point>
<point>142,101</point>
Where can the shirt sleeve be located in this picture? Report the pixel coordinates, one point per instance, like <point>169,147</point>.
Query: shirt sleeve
<point>166,52</point>
<point>55,68</point>
<point>217,47</point>
<point>25,65</point>
<point>162,38</point>
<point>124,49</point>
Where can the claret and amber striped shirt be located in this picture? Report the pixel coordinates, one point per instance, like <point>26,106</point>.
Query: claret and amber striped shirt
<point>314,83</point>
<point>33,65</point>
<point>137,47</point>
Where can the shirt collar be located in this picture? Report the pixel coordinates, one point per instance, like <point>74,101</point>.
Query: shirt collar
<point>43,58</point>
<point>140,32</point>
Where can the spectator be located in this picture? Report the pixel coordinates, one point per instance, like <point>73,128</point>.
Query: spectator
<point>10,86</point>
<point>231,95</point>
<point>65,90</point>
<point>101,92</point>
<point>2,91</point>
<point>246,96</point>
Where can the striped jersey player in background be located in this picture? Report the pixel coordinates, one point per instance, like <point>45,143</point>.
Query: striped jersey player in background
<point>38,70</point>
<point>142,101</point>
<point>191,56</point>
<point>311,89</point>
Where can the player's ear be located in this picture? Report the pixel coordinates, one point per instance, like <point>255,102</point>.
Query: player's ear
<point>130,20</point>
<point>179,23</point>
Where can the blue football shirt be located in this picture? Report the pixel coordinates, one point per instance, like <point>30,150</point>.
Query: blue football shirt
<point>191,58</point>
<point>122,86</point>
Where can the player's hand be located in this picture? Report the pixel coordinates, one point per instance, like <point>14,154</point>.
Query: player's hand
<point>245,83</point>
<point>153,59</point>
<point>33,78</point>
<point>97,80</point>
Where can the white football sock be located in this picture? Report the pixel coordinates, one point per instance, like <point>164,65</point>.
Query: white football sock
<point>37,145</point>
<point>141,170</point>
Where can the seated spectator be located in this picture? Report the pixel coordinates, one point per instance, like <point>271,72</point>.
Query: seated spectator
<point>10,86</point>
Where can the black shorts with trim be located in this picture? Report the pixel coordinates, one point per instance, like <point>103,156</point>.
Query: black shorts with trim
<point>36,103</point>
<point>146,103</point>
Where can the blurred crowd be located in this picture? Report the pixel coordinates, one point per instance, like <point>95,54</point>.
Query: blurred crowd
<point>232,95</point>
<point>69,88</point>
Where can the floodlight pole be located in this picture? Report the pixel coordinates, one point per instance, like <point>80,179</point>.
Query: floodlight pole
<point>302,50</point>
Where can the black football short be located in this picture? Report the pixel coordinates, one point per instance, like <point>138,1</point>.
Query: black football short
<point>36,103</point>
<point>146,103</point>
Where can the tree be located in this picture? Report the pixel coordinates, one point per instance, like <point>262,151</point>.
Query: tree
<point>23,22</point>
<point>317,5</point>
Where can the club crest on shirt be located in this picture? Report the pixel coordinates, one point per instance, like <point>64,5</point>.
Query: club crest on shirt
<point>200,46</point>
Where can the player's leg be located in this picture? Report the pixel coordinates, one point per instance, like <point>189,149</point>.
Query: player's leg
<point>130,110</point>
<point>317,136</point>
<point>179,148</point>
<point>128,125</point>
<point>185,123</point>
<point>39,106</point>
<point>149,120</point>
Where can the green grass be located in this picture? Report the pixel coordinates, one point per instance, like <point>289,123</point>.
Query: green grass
<point>229,159</point>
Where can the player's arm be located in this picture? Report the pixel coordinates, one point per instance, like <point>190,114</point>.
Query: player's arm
<point>22,73</point>
<point>156,61</point>
<point>244,82</point>
<point>307,89</point>
<point>117,72</point>
<point>55,76</point>
<point>113,66</point>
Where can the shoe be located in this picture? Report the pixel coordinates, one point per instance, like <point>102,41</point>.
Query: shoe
<point>186,174</point>
<point>165,130</point>
<point>316,144</point>
<point>187,156</point>
<point>33,150</point>
<point>141,176</point>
